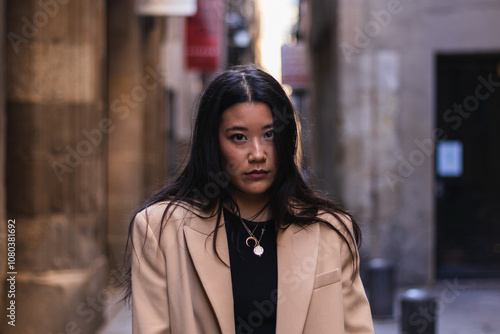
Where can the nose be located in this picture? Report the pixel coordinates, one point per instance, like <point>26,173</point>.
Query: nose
<point>257,152</point>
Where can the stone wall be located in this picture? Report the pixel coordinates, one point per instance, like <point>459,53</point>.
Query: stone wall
<point>126,111</point>
<point>387,51</point>
<point>56,162</point>
<point>137,152</point>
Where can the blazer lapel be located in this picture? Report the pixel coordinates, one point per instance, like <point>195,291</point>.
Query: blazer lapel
<point>297,258</point>
<point>215,276</point>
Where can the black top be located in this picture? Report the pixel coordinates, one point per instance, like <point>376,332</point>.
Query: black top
<point>254,278</point>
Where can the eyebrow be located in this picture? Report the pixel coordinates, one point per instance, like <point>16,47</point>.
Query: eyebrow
<point>242,128</point>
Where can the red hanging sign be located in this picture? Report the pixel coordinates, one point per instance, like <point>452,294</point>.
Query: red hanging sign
<point>205,36</point>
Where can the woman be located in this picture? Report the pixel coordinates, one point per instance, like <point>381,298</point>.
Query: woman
<point>239,243</point>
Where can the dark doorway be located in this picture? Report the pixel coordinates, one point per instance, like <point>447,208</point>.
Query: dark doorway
<point>468,166</point>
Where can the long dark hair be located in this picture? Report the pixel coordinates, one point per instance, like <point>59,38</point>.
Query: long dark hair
<point>203,183</point>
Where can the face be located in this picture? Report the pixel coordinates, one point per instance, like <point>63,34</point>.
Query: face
<point>246,137</point>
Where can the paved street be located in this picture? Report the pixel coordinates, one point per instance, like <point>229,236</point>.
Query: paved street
<point>119,320</point>
<point>467,310</point>
<point>471,307</point>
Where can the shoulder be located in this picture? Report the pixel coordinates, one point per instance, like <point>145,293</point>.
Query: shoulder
<point>338,226</point>
<point>329,214</point>
<point>156,216</point>
<point>337,220</point>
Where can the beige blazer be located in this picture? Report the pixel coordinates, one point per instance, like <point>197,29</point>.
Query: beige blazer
<point>180,286</point>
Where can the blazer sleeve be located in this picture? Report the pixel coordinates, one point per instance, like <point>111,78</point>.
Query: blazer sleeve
<point>357,313</point>
<point>150,313</point>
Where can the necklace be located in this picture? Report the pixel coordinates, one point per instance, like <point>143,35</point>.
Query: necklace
<point>257,248</point>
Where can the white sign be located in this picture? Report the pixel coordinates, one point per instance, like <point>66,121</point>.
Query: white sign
<point>449,158</point>
<point>294,66</point>
<point>166,7</point>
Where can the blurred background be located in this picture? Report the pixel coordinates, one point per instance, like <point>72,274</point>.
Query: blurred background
<point>399,99</point>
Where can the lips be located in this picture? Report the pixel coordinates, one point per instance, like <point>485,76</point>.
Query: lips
<point>257,171</point>
<point>257,174</point>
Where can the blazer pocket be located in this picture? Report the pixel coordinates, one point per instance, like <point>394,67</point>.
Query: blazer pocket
<point>327,278</point>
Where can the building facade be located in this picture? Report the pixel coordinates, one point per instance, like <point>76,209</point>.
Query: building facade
<point>417,103</point>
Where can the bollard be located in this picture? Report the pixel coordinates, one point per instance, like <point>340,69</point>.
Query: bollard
<point>381,288</point>
<point>418,312</point>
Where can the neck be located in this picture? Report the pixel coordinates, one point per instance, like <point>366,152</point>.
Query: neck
<point>253,207</point>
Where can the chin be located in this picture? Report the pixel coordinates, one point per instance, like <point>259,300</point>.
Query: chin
<point>254,191</point>
<point>258,192</point>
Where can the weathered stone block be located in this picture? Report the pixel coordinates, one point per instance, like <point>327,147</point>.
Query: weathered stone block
<point>61,301</point>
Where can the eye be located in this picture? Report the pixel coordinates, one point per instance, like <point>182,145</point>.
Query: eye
<point>269,134</point>
<point>238,137</point>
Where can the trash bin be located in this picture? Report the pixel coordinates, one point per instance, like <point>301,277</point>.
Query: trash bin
<point>418,312</point>
<point>381,288</point>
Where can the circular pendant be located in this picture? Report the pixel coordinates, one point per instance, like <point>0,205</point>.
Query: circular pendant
<point>258,250</point>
